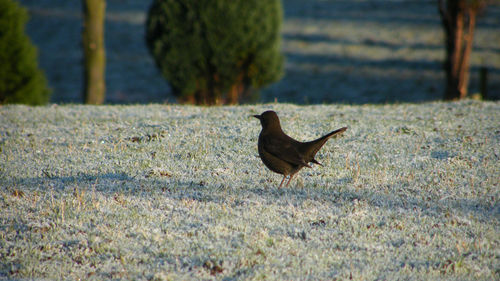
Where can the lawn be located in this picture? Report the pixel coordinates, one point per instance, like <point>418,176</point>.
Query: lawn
<point>170,192</point>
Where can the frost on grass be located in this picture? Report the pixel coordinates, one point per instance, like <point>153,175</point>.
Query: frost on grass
<point>178,192</point>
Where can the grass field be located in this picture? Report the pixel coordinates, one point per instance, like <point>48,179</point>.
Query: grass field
<point>166,192</point>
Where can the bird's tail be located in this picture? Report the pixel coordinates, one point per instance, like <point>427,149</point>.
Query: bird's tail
<point>338,131</point>
<point>312,147</point>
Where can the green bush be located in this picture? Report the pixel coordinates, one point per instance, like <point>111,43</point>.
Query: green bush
<point>21,81</point>
<point>216,51</point>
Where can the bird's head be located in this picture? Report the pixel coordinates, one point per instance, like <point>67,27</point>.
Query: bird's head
<point>268,119</point>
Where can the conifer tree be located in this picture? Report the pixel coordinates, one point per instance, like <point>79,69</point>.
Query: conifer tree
<point>216,52</point>
<point>21,81</point>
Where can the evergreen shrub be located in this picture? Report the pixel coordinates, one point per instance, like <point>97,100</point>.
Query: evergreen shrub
<point>216,51</point>
<point>21,81</point>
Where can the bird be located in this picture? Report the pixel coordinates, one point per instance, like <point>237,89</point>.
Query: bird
<point>283,154</point>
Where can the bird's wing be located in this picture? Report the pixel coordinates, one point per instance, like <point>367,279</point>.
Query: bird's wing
<point>284,150</point>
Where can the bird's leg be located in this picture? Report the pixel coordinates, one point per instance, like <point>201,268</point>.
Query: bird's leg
<point>316,162</point>
<point>289,180</point>
<point>284,177</point>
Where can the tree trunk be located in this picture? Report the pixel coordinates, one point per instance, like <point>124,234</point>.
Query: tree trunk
<point>237,90</point>
<point>459,21</point>
<point>94,51</point>
<point>234,93</point>
<point>464,67</point>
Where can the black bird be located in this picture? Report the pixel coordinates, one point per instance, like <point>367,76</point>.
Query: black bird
<point>282,154</point>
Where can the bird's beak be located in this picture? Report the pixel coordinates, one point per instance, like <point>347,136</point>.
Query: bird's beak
<point>256,116</point>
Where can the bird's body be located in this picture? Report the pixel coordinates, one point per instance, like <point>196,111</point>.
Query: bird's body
<point>281,153</point>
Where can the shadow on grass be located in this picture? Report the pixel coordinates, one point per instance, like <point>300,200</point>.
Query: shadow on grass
<point>111,184</point>
<point>374,42</point>
<point>131,76</point>
<point>327,78</point>
<point>430,207</point>
<point>416,13</point>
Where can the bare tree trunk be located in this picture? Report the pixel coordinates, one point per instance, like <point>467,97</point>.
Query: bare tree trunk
<point>464,66</point>
<point>94,51</point>
<point>459,21</point>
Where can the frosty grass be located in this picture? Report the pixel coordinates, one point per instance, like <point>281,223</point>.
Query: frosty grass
<point>168,192</point>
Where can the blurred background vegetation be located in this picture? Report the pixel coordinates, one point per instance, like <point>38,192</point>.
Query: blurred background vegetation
<point>21,80</point>
<point>335,51</point>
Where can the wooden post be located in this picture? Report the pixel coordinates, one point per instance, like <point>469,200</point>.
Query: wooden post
<point>94,51</point>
